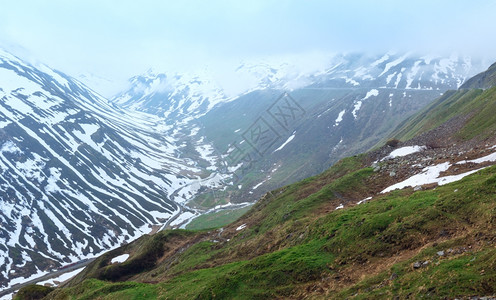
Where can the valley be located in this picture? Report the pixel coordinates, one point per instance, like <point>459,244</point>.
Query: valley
<point>247,150</point>
<point>83,175</point>
<point>411,218</point>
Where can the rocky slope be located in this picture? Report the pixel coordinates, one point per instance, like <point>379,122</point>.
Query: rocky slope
<point>411,219</point>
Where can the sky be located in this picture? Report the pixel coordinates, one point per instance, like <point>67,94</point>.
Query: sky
<point>115,40</point>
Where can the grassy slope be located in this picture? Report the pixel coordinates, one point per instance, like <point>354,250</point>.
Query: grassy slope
<point>331,251</point>
<point>469,215</point>
<point>479,105</point>
<point>216,219</point>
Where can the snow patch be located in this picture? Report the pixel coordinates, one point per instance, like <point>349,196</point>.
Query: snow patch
<point>398,79</point>
<point>488,158</point>
<point>390,77</point>
<point>120,259</point>
<point>7,297</point>
<point>404,151</point>
<point>372,92</point>
<point>364,200</point>
<point>340,117</point>
<point>351,81</point>
<point>411,76</point>
<point>59,279</point>
<point>380,60</point>
<point>182,218</point>
<point>241,227</point>
<point>356,108</point>
<point>392,64</point>
<point>286,142</point>
<point>10,147</point>
<point>4,123</point>
<point>429,175</point>
<point>258,185</point>
<point>358,104</point>
<point>52,186</point>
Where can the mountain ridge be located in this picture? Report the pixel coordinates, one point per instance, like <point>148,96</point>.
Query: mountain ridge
<point>484,80</point>
<point>79,175</point>
<point>154,91</point>
<point>348,109</point>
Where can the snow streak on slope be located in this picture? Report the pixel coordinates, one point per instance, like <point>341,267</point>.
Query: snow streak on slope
<point>363,96</point>
<point>172,96</point>
<point>183,97</point>
<point>401,71</point>
<point>358,104</point>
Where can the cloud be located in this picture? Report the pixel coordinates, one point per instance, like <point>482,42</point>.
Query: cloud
<point>121,39</point>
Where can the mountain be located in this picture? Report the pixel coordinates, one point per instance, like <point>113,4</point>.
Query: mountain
<point>342,110</point>
<point>194,94</point>
<point>171,96</point>
<point>79,175</point>
<point>103,85</point>
<point>483,80</point>
<point>410,219</point>
<point>467,111</point>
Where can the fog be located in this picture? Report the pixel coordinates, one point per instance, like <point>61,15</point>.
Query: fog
<point>119,39</point>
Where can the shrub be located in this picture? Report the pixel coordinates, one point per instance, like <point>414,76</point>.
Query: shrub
<point>393,143</point>
<point>33,292</point>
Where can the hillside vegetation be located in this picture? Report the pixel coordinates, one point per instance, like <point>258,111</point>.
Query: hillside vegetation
<point>319,239</point>
<point>300,246</point>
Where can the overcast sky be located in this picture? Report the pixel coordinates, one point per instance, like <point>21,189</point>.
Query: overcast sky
<point>119,39</point>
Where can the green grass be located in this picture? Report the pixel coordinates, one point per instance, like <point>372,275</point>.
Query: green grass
<point>367,233</point>
<point>306,247</point>
<point>269,275</point>
<point>32,292</point>
<point>97,289</point>
<point>209,200</point>
<point>217,219</point>
<point>483,123</point>
<point>144,253</point>
<point>298,200</point>
<point>295,242</point>
<point>445,277</point>
<point>451,104</point>
<point>466,274</point>
<point>193,257</point>
<point>477,104</point>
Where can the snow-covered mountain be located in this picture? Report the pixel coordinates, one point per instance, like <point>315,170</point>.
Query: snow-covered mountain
<point>399,71</point>
<point>186,96</point>
<point>175,96</point>
<point>79,175</point>
<point>347,107</point>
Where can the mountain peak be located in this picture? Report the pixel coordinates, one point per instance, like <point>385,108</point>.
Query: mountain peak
<point>484,80</point>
